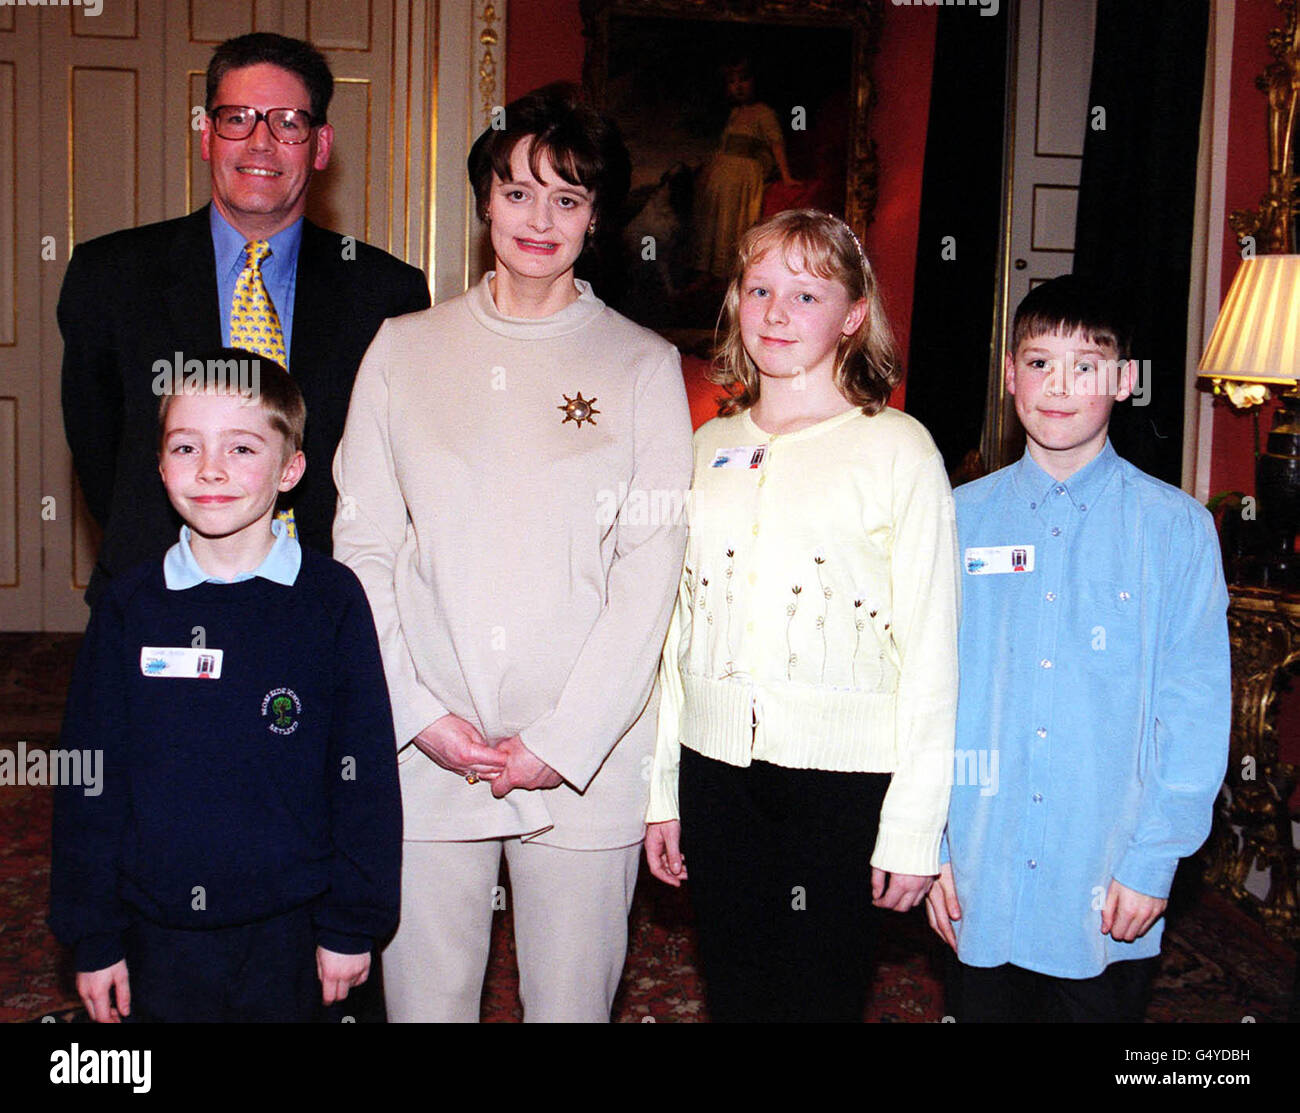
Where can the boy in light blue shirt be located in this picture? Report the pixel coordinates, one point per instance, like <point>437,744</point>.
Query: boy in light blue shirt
<point>1095,681</point>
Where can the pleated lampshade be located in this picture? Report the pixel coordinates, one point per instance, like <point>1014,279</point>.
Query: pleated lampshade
<point>1257,336</point>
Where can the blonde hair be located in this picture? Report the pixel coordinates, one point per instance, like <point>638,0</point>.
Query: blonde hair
<point>867,367</point>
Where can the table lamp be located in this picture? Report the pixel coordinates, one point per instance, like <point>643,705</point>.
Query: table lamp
<point>1255,349</point>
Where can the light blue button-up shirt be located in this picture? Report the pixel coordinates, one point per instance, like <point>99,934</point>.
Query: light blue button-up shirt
<point>1094,707</point>
<point>281,564</point>
<point>279,271</point>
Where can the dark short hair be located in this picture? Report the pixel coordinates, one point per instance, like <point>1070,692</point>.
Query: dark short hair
<point>298,57</point>
<point>1073,303</point>
<point>277,393</point>
<point>584,146</point>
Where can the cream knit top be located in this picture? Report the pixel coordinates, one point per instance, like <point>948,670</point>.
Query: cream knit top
<point>515,576</point>
<point>816,619</point>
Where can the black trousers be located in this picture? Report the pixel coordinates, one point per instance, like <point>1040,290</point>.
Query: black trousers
<point>259,972</point>
<point>1008,994</point>
<point>780,880</point>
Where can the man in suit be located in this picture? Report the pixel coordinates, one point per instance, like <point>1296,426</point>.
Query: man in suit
<point>142,295</point>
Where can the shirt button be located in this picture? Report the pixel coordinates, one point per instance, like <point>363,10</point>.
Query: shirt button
<point>1059,490</point>
<point>1056,531</point>
<point>1037,798</point>
<point>1045,663</point>
<point>1033,506</point>
<point>1050,597</point>
<point>762,479</point>
<point>1032,863</point>
<point>1124,596</point>
<point>1041,732</point>
<point>753,577</point>
<point>1082,507</point>
<point>755,529</point>
<point>749,627</point>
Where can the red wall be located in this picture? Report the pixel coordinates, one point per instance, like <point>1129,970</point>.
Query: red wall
<point>544,43</point>
<point>899,120</point>
<point>1232,466</point>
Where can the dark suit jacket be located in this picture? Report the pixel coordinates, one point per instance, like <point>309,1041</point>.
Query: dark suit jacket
<point>144,294</point>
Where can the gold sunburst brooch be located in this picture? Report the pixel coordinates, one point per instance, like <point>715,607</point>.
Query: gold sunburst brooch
<point>578,410</point>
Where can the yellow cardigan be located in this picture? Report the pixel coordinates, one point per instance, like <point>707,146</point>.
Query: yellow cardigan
<point>816,618</point>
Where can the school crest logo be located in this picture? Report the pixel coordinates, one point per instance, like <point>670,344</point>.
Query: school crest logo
<point>283,707</point>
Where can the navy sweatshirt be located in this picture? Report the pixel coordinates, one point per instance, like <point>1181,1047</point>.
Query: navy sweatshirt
<point>232,800</point>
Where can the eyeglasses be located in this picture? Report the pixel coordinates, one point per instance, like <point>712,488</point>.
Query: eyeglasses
<point>287,125</point>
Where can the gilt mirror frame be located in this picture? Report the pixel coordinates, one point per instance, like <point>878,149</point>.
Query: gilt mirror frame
<point>1273,224</point>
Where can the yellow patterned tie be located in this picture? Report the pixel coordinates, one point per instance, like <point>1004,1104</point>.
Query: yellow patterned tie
<point>255,325</point>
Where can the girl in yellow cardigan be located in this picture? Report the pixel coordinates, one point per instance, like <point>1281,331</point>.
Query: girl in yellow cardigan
<point>809,678</point>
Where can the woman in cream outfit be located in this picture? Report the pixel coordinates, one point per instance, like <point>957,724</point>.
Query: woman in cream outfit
<point>511,480</point>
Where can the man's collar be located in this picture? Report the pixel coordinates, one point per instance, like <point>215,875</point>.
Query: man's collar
<point>228,242</point>
<point>281,564</point>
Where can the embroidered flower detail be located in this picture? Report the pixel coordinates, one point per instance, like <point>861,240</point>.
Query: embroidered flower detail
<point>731,557</point>
<point>819,558</point>
<point>790,610</point>
<point>859,624</point>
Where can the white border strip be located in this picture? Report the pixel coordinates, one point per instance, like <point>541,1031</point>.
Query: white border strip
<point>1207,247</point>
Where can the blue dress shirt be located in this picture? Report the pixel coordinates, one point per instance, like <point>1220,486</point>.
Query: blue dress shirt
<point>1094,708</point>
<point>279,271</point>
<point>281,564</point>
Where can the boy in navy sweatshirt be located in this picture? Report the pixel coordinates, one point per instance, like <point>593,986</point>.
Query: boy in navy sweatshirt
<point>243,857</point>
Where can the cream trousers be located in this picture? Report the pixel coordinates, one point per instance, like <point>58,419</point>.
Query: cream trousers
<point>570,911</point>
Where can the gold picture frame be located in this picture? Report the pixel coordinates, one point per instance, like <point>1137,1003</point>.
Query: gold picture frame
<point>653,66</point>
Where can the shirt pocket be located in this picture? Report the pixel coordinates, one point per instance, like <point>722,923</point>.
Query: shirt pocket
<point>1109,621</point>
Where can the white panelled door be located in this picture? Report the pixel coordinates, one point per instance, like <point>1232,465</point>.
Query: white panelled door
<point>96,134</point>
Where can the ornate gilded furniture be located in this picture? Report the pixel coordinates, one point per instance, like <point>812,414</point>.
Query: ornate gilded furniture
<point>1252,824</point>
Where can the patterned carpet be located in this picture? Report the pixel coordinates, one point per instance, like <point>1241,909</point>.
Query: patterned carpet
<point>1218,965</point>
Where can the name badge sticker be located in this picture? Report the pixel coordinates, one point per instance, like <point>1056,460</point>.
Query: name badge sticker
<point>180,662</point>
<point>746,456</point>
<point>999,560</point>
